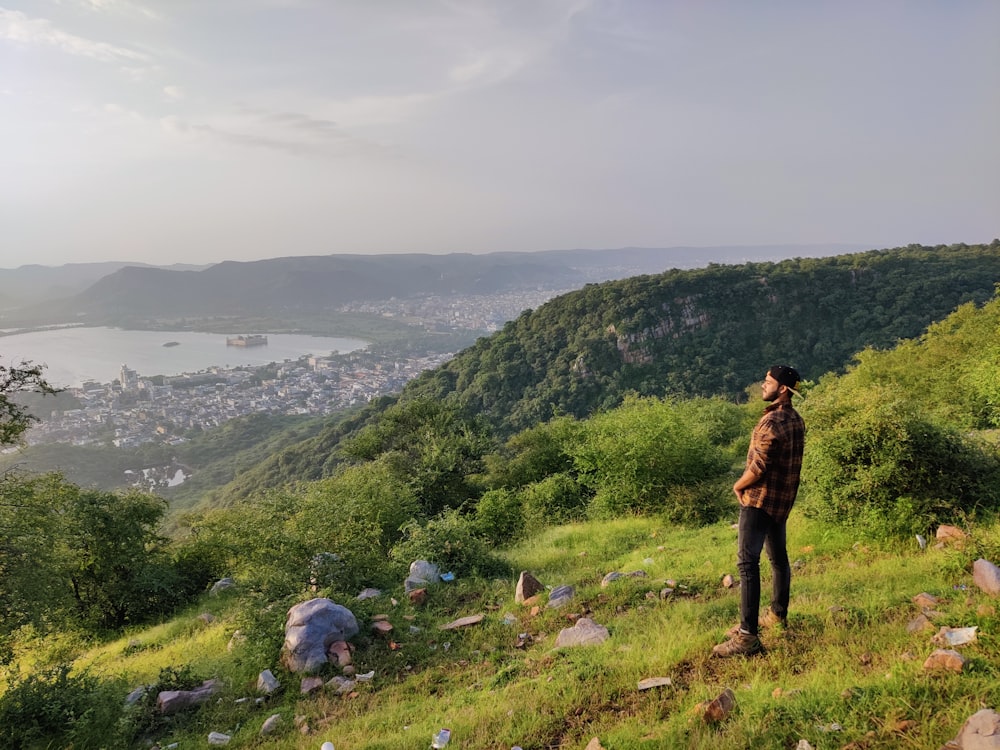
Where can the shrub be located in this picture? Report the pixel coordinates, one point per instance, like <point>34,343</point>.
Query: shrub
<point>54,708</point>
<point>634,456</point>
<point>888,470</point>
<point>554,500</point>
<point>499,516</point>
<point>450,541</point>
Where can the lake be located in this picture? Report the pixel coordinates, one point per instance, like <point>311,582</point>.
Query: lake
<point>73,355</point>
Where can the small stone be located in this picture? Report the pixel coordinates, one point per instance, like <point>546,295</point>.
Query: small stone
<point>610,578</point>
<point>925,600</point>
<point>720,708</point>
<point>918,623</point>
<point>954,636</point>
<point>310,685</point>
<point>267,683</point>
<point>981,731</point>
<point>945,531</point>
<point>270,724</point>
<point>218,738</point>
<point>653,682</point>
<point>207,617</point>
<point>728,581</point>
<point>418,597</point>
<point>381,627</point>
<point>945,659</point>
<point>585,632</point>
<point>532,601</point>
<point>527,586</point>
<point>369,594</point>
<point>594,744</point>
<point>986,576</point>
<point>462,622</point>
<point>561,596</point>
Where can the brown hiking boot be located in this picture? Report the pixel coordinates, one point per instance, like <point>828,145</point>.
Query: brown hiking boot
<point>744,644</point>
<point>770,620</point>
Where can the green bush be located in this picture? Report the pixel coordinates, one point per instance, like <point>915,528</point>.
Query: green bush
<point>635,456</point>
<point>54,708</point>
<point>451,542</point>
<point>552,501</point>
<point>888,470</point>
<point>499,516</point>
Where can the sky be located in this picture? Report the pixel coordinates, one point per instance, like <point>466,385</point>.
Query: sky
<point>196,131</point>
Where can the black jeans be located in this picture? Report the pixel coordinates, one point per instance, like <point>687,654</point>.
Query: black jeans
<point>757,531</point>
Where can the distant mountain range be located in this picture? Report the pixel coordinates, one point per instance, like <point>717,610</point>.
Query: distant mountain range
<point>102,292</point>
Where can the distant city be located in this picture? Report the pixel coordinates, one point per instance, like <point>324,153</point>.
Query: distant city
<point>140,408</point>
<point>135,409</point>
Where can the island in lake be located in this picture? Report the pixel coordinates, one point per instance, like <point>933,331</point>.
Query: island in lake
<point>173,343</point>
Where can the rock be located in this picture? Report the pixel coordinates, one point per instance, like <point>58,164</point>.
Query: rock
<point>947,533</point>
<point>310,628</point>
<point>340,652</point>
<point>418,596</point>
<point>728,581</point>
<point>422,574</point>
<point>653,682</point>
<point>270,724</point>
<point>610,578</point>
<point>803,745</point>
<point>340,685</point>
<point>954,636</point>
<point>981,731</point>
<point>310,685</point>
<point>717,710</point>
<point>171,701</point>
<point>207,617</point>
<point>136,695</point>
<point>462,622</point>
<point>585,632</point>
<point>594,744</point>
<point>527,587</point>
<point>221,585</point>
<point>986,576</point>
<point>561,596</point>
<point>267,683</point>
<point>918,623</point>
<point>369,594</point>
<point>925,600</point>
<point>381,627</point>
<point>218,738</point>
<point>945,659</point>
<point>532,601</point>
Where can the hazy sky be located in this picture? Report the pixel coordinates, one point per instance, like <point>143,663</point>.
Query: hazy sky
<point>196,131</point>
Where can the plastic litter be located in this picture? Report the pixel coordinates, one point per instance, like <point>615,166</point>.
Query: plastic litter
<point>441,738</point>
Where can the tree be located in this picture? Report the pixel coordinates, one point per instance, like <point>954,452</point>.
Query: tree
<point>14,417</point>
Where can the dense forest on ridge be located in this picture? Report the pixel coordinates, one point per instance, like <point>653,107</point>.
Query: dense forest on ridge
<point>702,332</point>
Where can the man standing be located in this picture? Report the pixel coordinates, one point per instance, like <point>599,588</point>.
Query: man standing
<point>766,492</point>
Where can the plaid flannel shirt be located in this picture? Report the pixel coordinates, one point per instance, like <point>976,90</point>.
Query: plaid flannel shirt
<point>775,457</point>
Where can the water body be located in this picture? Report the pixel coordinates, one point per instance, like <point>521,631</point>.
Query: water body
<point>74,355</point>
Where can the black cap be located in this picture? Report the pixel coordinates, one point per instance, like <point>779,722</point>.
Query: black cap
<point>786,376</point>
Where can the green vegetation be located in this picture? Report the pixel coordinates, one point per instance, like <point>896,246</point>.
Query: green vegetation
<point>641,484</point>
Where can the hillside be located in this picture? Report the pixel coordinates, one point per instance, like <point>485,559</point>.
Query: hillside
<point>312,284</point>
<point>699,332</point>
<point>848,673</point>
<point>897,516</point>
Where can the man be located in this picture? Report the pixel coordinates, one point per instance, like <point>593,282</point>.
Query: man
<point>766,492</point>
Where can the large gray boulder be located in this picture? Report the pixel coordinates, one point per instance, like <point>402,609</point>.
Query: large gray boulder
<point>310,628</point>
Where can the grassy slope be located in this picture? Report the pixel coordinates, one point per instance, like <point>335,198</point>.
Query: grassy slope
<point>857,667</point>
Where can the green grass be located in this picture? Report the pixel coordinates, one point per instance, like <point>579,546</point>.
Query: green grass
<point>847,658</point>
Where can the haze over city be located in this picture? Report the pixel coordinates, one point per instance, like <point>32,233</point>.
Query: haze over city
<point>195,132</point>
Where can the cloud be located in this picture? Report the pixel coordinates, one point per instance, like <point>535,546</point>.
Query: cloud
<point>174,93</point>
<point>285,132</point>
<point>18,27</point>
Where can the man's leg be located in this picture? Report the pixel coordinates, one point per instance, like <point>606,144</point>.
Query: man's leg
<point>781,571</point>
<point>753,528</point>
